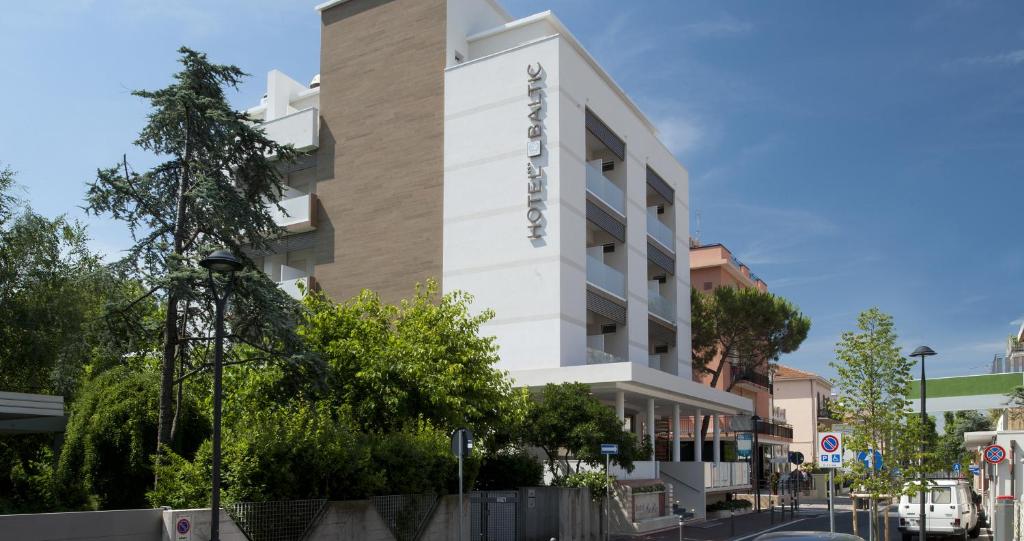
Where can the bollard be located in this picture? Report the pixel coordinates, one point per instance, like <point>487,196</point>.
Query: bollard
<point>1003,523</point>
<point>732,523</point>
<point>680,527</point>
<point>771,511</point>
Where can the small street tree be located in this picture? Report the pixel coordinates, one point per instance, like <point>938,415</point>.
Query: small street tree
<point>744,326</point>
<point>570,425</point>
<point>874,383</point>
<point>212,190</point>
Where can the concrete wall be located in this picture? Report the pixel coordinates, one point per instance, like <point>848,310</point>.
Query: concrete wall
<point>129,525</point>
<point>200,520</point>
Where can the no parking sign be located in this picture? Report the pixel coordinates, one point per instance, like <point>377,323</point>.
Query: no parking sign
<point>994,454</point>
<point>830,450</point>
<point>183,529</point>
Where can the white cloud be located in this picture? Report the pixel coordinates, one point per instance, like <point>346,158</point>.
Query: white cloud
<point>1009,58</point>
<point>724,26</point>
<point>1017,322</point>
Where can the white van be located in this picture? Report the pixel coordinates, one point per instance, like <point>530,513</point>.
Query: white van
<point>949,510</point>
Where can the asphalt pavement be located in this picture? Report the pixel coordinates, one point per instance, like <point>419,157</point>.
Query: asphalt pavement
<point>813,517</point>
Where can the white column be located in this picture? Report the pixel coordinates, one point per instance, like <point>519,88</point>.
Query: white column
<point>620,406</point>
<point>716,442</point>
<point>698,442</point>
<point>675,433</point>
<point>650,424</point>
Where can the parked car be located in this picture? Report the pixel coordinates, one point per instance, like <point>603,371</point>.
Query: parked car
<point>808,536</point>
<point>950,510</point>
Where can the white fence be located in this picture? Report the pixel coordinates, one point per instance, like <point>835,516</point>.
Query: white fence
<point>726,474</point>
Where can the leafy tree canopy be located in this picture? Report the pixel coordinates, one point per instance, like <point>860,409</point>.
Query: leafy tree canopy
<point>570,425</point>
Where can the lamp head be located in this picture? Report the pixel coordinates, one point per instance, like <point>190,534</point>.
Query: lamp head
<point>923,351</point>
<point>221,262</point>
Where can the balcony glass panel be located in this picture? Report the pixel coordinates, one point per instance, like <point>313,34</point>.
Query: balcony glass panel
<point>661,307</point>
<point>654,361</point>
<point>596,356</point>
<point>660,232</point>
<point>605,190</point>
<point>291,287</point>
<point>601,275</point>
<point>300,129</point>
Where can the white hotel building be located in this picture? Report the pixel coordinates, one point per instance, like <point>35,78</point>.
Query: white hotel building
<point>495,155</point>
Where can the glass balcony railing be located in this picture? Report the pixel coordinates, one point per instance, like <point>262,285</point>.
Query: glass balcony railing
<point>661,307</point>
<point>654,361</point>
<point>596,356</point>
<point>605,190</point>
<point>660,232</point>
<point>601,275</point>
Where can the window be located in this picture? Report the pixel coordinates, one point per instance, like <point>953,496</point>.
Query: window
<point>942,495</point>
<point>707,286</point>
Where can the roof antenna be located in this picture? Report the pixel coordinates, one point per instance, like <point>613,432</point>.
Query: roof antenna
<point>696,233</point>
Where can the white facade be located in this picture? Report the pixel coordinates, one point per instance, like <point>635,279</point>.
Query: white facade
<point>551,218</point>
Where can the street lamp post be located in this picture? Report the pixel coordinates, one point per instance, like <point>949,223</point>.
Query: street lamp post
<point>221,262</point>
<point>922,352</point>
<point>756,469</point>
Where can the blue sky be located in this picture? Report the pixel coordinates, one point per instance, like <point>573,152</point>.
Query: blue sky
<point>852,154</point>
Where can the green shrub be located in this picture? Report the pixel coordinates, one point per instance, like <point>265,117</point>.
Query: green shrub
<point>509,470</point>
<point>657,487</point>
<point>106,460</point>
<point>594,480</point>
<point>726,505</point>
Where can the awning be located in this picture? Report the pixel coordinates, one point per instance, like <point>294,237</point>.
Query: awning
<point>22,413</point>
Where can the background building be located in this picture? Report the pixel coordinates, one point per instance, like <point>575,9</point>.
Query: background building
<point>806,397</point>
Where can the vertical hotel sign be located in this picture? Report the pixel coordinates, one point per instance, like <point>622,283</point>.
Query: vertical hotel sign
<point>535,152</point>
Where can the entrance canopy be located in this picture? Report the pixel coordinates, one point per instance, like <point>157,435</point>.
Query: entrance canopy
<point>22,413</point>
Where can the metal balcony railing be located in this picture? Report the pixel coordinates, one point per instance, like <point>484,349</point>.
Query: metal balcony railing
<point>752,376</point>
<point>605,190</point>
<point>774,428</point>
<point>660,232</point>
<point>605,277</point>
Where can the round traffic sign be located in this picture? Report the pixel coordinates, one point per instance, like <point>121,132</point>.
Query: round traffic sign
<point>183,525</point>
<point>994,454</point>
<point>829,443</point>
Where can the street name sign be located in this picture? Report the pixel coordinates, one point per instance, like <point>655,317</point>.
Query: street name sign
<point>609,448</point>
<point>830,450</point>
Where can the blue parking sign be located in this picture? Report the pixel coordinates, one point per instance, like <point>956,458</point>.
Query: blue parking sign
<point>824,458</point>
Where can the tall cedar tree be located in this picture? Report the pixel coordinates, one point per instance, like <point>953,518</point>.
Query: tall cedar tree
<point>211,191</point>
<point>748,327</point>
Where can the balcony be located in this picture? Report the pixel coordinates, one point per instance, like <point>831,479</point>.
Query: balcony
<point>661,307</point>
<point>291,278</point>
<point>605,190</point>
<point>596,356</point>
<point>741,374</point>
<point>300,129</point>
<point>774,428</point>
<point>605,278</point>
<point>299,214</point>
<point>660,232</point>
<point>825,411</point>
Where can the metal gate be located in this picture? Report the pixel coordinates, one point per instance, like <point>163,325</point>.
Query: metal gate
<point>494,515</point>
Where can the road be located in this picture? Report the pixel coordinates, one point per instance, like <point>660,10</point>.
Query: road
<point>749,526</point>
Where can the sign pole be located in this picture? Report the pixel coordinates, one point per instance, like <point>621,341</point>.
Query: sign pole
<point>832,500</point>
<point>461,502</point>
<point>607,495</point>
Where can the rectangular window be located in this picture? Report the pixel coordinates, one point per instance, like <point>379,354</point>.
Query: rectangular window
<point>942,495</point>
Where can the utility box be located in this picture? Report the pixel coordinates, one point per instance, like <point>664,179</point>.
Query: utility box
<point>1003,520</point>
